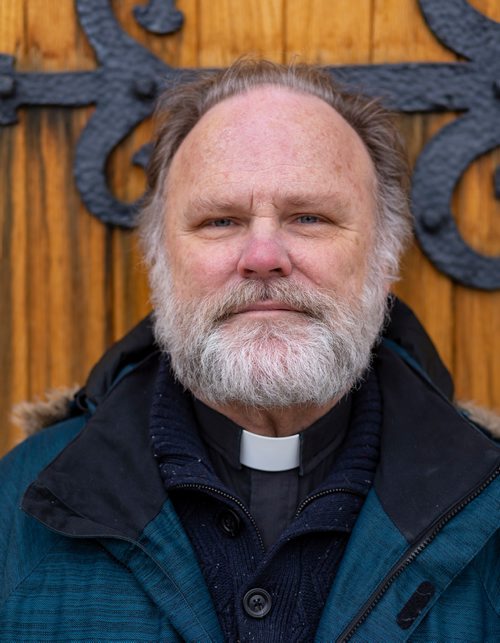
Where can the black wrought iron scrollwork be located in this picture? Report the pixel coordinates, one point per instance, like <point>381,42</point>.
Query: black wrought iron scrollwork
<point>128,78</point>
<point>159,16</point>
<point>122,88</point>
<point>441,164</point>
<point>472,87</point>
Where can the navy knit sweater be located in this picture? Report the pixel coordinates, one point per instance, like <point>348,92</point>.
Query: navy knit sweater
<point>298,571</point>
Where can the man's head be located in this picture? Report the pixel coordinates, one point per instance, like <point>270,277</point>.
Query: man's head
<point>276,216</point>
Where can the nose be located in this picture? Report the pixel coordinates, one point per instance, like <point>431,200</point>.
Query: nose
<point>264,257</point>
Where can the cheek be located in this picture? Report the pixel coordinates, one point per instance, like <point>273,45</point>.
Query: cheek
<point>356,262</point>
<point>339,266</point>
<point>198,271</point>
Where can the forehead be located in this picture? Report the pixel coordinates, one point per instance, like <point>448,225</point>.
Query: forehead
<point>272,132</point>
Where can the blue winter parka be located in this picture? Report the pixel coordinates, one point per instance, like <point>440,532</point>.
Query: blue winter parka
<point>91,548</point>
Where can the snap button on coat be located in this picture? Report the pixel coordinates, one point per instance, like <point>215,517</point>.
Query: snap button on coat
<point>229,522</point>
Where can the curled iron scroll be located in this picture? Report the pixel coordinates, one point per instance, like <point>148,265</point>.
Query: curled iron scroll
<point>128,78</point>
<point>449,153</point>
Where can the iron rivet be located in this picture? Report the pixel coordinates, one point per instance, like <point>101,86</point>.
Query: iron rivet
<point>145,87</point>
<point>7,86</point>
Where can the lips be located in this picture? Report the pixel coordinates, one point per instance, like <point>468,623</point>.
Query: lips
<point>266,306</point>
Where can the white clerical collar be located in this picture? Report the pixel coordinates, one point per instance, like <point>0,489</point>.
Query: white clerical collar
<point>269,454</point>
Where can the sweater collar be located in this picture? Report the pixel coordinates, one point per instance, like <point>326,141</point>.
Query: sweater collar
<point>183,458</point>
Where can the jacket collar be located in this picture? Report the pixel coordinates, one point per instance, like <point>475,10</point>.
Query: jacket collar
<point>431,456</point>
<point>106,481</point>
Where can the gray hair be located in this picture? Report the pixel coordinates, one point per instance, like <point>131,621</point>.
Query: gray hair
<point>179,110</point>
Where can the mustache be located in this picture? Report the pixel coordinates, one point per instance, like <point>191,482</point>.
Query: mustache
<point>308,301</point>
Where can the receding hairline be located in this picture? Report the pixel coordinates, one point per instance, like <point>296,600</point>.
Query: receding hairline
<point>247,93</point>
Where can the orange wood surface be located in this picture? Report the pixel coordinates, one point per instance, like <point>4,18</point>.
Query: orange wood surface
<point>69,286</point>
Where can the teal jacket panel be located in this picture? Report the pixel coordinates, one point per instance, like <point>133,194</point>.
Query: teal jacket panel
<point>24,541</point>
<point>61,588</point>
<point>443,588</point>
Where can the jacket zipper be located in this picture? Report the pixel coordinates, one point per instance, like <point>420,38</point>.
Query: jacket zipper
<point>403,563</point>
<point>229,497</point>
<point>320,494</point>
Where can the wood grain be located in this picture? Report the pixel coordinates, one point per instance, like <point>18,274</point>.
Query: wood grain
<point>400,34</point>
<point>229,29</point>
<point>477,314</point>
<point>69,286</point>
<point>329,33</point>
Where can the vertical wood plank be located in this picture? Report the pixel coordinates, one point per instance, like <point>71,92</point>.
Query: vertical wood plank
<point>429,293</point>
<point>51,38</point>
<point>477,331</point>
<point>52,247</point>
<point>13,281</point>
<point>401,34</point>
<point>228,29</point>
<point>329,33</point>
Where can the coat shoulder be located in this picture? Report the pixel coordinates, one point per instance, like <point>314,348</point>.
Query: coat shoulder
<point>23,541</point>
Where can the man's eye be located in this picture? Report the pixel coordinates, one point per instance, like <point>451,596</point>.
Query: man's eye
<point>221,223</point>
<point>308,218</point>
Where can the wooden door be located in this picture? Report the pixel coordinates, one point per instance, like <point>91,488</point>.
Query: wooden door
<point>70,286</point>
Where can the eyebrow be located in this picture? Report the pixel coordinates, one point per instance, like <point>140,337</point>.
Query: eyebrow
<point>208,203</point>
<point>301,200</point>
<point>333,200</point>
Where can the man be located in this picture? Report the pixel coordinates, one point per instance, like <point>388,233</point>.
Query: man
<point>269,469</point>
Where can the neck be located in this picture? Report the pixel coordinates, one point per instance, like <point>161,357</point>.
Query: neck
<point>274,423</point>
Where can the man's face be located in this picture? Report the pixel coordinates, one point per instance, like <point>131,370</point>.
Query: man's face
<point>267,295</point>
<point>270,184</point>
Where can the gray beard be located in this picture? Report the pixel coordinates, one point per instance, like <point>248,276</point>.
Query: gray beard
<point>305,359</point>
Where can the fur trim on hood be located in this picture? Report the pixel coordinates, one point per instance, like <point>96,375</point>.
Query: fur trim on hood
<point>485,417</point>
<point>31,417</point>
